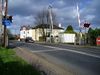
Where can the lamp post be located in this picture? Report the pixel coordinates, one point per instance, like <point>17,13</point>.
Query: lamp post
<point>51,22</point>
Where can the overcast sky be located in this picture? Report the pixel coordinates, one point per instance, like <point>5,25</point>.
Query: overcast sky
<point>23,11</point>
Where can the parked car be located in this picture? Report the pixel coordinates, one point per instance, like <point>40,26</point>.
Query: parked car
<point>29,39</point>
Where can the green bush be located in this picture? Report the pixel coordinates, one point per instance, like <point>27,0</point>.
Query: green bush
<point>92,35</point>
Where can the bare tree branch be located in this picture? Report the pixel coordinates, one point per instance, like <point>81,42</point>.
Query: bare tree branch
<point>42,18</point>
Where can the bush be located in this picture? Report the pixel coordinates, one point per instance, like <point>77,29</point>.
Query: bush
<point>92,35</point>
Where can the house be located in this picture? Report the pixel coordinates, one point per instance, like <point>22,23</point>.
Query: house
<point>37,31</point>
<point>26,31</point>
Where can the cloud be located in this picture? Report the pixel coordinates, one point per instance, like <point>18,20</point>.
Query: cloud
<point>89,17</point>
<point>20,20</point>
<point>24,11</point>
<point>90,12</point>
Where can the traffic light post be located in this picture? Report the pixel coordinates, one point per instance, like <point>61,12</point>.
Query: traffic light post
<point>5,28</point>
<point>6,21</point>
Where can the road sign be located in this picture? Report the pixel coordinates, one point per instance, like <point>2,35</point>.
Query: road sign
<point>6,22</point>
<point>98,41</point>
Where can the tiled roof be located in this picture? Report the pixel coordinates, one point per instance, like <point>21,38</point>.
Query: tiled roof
<point>27,27</point>
<point>46,26</point>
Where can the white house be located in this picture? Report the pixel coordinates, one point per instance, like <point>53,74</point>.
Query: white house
<point>25,31</point>
<point>37,31</point>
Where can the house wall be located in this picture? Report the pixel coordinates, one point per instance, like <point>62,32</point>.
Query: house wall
<point>36,33</point>
<point>33,34</point>
<point>56,32</point>
<point>23,34</point>
<point>29,33</point>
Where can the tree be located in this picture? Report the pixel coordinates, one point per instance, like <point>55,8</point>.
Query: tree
<point>69,29</point>
<point>10,35</point>
<point>92,35</point>
<point>42,18</point>
<point>97,32</point>
<point>9,32</point>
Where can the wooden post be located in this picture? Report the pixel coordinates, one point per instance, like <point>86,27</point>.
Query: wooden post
<point>5,28</point>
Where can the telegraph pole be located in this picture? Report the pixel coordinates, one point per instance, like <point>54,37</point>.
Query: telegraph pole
<point>5,28</point>
<point>0,17</point>
<point>79,22</point>
<point>51,23</point>
<point>0,22</point>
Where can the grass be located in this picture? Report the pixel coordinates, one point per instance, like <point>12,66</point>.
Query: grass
<point>10,64</point>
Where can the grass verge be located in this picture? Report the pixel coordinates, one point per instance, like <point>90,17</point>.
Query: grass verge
<point>10,64</point>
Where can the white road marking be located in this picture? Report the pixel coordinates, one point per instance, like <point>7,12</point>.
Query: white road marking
<point>59,49</point>
<point>43,51</point>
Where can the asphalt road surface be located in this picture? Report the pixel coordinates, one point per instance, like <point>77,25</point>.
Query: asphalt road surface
<point>83,60</point>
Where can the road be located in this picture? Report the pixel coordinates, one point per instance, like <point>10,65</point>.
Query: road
<point>83,60</point>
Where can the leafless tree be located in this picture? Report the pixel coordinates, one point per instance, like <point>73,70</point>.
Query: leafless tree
<point>42,18</point>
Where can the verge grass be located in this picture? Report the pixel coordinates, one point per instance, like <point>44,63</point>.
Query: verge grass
<point>10,64</point>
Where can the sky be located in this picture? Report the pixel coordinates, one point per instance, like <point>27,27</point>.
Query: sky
<point>24,11</point>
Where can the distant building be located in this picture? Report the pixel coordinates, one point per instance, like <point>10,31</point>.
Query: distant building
<point>37,31</point>
<point>25,31</point>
